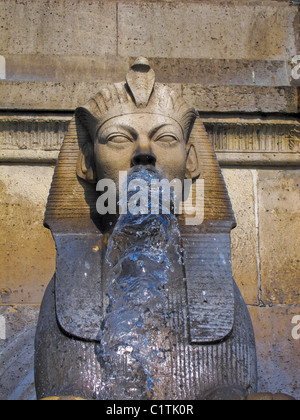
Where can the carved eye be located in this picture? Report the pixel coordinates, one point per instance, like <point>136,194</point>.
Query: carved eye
<point>167,140</point>
<point>118,139</point>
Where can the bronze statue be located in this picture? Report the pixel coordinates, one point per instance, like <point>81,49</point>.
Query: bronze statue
<point>152,325</point>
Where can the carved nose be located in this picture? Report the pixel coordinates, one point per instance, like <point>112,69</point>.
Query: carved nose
<point>144,159</point>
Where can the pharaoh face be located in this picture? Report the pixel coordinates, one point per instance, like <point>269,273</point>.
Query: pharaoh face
<point>140,140</point>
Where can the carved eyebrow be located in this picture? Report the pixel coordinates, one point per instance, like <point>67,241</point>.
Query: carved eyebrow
<point>129,129</point>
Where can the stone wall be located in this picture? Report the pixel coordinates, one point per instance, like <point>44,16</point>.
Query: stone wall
<point>230,59</point>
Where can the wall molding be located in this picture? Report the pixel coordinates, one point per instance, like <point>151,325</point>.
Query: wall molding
<point>254,141</point>
<point>238,141</point>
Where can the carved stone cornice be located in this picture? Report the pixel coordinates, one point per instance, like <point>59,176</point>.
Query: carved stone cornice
<point>247,141</point>
<point>255,141</point>
<point>32,138</point>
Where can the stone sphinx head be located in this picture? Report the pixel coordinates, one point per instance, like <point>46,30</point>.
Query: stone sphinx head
<point>137,123</point>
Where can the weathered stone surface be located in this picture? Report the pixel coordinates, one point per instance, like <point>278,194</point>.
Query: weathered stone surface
<point>58,27</point>
<point>279,232</point>
<point>208,71</point>
<point>206,30</point>
<point>195,41</point>
<point>46,95</point>
<point>258,159</point>
<point>17,353</point>
<point>243,237</point>
<point>42,67</point>
<point>261,30</point>
<point>29,156</point>
<point>50,96</point>
<point>69,68</point>
<point>277,352</point>
<point>241,98</point>
<point>27,251</point>
<point>67,96</point>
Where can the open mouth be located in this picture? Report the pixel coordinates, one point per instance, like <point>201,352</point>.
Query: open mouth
<point>150,168</point>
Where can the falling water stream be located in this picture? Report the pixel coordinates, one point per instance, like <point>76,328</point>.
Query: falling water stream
<point>142,254</point>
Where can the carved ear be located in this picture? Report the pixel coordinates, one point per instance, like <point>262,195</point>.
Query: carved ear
<point>192,164</point>
<point>85,164</point>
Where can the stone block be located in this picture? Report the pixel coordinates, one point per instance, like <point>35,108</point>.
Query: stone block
<point>67,27</point>
<point>208,71</point>
<point>112,68</point>
<point>17,352</point>
<point>226,30</point>
<point>27,250</point>
<point>50,96</point>
<point>278,353</point>
<point>239,183</point>
<point>242,98</point>
<point>55,96</point>
<point>66,68</point>
<point>279,233</point>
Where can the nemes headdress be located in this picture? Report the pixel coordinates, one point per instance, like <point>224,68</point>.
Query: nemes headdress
<point>139,94</point>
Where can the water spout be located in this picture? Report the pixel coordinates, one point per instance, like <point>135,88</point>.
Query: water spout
<point>142,253</point>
